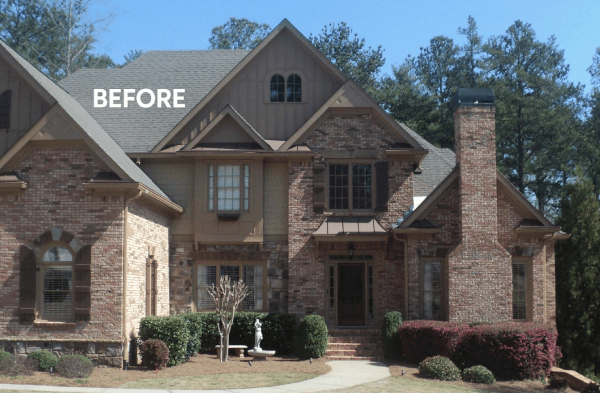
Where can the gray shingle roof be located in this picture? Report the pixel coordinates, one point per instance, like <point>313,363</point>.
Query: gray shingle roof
<point>436,166</point>
<point>136,129</point>
<point>86,122</point>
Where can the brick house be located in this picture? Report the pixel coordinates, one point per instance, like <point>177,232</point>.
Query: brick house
<point>278,170</point>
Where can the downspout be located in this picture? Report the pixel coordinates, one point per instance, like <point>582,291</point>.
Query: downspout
<point>125,266</point>
<point>405,274</point>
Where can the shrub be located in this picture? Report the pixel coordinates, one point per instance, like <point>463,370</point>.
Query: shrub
<point>44,359</point>
<point>439,367</point>
<point>279,332</point>
<point>173,331</point>
<point>15,365</point>
<point>5,355</point>
<point>155,354</point>
<point>591,388</point>
<point>311,339</point>
<point>423,339</point>
<point>478,374</point>
<point>74,366</point>
<point>389,331</point>
<point>557,382</point>
<point>194,325</point>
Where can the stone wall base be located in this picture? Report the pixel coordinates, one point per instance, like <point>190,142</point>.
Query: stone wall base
<point>100,353</point>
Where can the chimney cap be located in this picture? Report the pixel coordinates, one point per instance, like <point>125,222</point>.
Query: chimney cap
<point>473,97</point>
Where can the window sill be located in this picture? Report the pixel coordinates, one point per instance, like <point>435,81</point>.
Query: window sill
<point>44,323</point>
<point>286,102</point>
<point>361,213</point>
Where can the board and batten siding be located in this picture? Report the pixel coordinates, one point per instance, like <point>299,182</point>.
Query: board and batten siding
<point>26,106</point>
<point>248,92</point>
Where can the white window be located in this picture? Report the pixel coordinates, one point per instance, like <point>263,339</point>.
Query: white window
<point>57,284</point>
<point>229,188</point>
<point>252,275</point>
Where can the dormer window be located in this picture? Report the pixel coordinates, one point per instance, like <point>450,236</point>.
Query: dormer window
<point>294,88</point>
<point>277,88</point>
<point>280,91</point>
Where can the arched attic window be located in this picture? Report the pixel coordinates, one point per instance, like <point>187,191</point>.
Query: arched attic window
<point>277,88</point>
<point>294,88</point>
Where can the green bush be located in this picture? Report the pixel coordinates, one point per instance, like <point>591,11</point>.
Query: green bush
<point>478,374</point>
<point>242,331</point>
<point>311,339</point>
<point>439,367</point>
<point>173,331</point>
<point>155,354</point>
<point>74,366</point>
<point>5,355</point>
<point>44,359</point>
<point>391,338</point>
<point>279,332</point>
<point>194,325</point>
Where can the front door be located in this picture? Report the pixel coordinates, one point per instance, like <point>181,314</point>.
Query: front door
<point>351,294</point>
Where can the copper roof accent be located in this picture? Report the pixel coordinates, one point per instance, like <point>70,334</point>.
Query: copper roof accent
<point>343,226</point>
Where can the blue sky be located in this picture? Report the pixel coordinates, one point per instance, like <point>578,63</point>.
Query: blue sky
<point>400,26</point>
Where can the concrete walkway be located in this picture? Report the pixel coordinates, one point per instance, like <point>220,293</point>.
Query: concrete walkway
<point>343,374</point>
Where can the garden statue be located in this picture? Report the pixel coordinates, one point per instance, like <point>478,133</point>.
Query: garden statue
<point>258,335</point>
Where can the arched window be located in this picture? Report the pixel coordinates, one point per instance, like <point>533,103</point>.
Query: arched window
<point>277,88</point>
<point>57,284</point>
<point>294,88</point>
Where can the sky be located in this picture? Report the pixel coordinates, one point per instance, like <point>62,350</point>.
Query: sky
<point>401,27</point>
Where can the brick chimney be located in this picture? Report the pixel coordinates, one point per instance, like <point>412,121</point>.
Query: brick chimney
<point>479,268</point>
<point>475,142</point>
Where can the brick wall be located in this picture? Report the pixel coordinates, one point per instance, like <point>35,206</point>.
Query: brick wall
<point>147,234</point>
<point>307,276</point>
<point>55,198</point>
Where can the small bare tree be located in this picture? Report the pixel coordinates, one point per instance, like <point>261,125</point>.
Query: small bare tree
<point>227,296</point>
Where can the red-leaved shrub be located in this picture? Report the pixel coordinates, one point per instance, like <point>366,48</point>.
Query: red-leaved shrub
<point>423,339</point>
<point>508,350</point>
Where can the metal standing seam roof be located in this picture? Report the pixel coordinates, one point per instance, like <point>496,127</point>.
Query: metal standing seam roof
<point>339,226</point>
<point>87,123</point>
<point>136,129</point>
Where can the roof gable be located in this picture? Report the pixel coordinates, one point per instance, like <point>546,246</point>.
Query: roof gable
<point>285,27</point>
<point>228,127</point>
<point>351,96</point>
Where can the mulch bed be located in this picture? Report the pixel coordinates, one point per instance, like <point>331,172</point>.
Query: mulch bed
<point>202,364</point>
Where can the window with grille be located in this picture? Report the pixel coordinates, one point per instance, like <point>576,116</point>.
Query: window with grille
<point>252,275</point>
<point>520,291</point>
<point>432,289</point>
<point>294,88</point>
<point>229,188</point>
<point>277,88</point>
<point>57,284</point>
<point>350,187</point>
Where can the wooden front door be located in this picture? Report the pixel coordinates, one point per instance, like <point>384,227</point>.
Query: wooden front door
<point>351,294</point>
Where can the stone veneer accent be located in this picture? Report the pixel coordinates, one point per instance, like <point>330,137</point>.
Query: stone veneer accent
<point>55,199</point>
<point>275,255</point>
<point>307,272</point>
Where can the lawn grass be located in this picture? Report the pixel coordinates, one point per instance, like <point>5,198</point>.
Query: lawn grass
<point>219,381</point>
<point>400,384</point>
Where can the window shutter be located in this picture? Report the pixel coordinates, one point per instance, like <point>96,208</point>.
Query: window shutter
<point>27,283</point>
<point>82,283</point>
<point>319,187</point>
<point>148,287</point>
<point>381,182</point>
<point>5,109</point>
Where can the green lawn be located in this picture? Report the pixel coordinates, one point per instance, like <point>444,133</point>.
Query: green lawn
<point>396,384</point>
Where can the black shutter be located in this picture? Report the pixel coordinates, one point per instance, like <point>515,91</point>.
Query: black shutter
<point>319,187</point>
<point>381,183</point>
<point>5,109</point>
<point>27,284</point>
<point>82,284</point>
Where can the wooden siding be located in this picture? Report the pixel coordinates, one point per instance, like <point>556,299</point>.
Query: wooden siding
<point>248,92</point>
<point>26,106</point>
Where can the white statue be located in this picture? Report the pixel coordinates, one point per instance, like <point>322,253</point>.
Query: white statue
<point>258,335</point>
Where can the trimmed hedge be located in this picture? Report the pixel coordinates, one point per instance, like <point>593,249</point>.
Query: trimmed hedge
<point>44,359</point>
<point>389,332</point>
<point>194,322</point>
<point>439,367</point>
<point>5,355</point>
<point>173,331</point>
<point>478,374</point>
<point>155,354</point>
<point>312,336</point>
<point>509,350</point>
